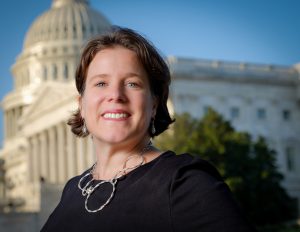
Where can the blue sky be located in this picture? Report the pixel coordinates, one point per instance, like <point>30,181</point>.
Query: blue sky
<point>256,31</point>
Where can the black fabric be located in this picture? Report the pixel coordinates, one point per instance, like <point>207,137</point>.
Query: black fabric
<point>170,193</point>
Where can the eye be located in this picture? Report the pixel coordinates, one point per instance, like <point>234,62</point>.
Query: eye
<point>133,84</point>
<point>101,84</point>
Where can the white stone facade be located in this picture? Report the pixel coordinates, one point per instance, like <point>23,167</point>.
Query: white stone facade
<point>263,100</point>
<point>38,144</point>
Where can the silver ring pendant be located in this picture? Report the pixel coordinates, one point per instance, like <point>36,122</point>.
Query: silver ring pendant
<point>84,189</point>
<point>90,191</point>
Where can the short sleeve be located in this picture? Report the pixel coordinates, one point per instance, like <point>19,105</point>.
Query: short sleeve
<point>201,201</point>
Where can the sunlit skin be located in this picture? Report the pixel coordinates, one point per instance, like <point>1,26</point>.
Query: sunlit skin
<point>117,106</point>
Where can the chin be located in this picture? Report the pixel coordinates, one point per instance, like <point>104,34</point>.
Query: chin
<point>114,139</point>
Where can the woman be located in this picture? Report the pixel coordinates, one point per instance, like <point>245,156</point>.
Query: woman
<point>123,85</point>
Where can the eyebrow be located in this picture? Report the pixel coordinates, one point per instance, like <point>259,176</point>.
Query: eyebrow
<point>132,74</point>
<point>98,75</point>
<point>90,79</point>
<point>127,75</point>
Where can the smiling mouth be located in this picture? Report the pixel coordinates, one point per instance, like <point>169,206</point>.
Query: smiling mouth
<point>116,115</point>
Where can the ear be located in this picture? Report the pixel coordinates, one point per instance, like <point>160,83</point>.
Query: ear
<point>80,107</point>
<point>154,107</point>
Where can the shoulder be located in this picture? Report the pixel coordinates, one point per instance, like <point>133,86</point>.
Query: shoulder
<point>185,165</point>
<point>198,188</point>
<point>194,176</point>
<point>187,173</point>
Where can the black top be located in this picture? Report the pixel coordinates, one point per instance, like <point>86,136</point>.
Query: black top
<point>170,193</point>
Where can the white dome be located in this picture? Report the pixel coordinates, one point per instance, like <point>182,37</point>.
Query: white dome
<point>52,44</point>
<point>66,20</point>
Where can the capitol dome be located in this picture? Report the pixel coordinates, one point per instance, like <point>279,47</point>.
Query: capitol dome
<point>66,20</point>
<point>43,98</point>
<point>53,43</point>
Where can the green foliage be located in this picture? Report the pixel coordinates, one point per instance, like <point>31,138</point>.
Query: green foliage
<point>247,166</point>
<point>178,136</point>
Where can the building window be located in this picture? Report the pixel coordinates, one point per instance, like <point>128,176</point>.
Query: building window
<point>66,71</point>
<point>286,115</point>
<point>234,113</point>
<point>54,72</point>
<point>261,113</point>
<point>290,159</point>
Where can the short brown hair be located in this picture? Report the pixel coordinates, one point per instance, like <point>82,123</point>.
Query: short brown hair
<point>156,68</point>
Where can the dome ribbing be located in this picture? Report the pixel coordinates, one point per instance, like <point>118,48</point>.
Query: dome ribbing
<point>66,20</point>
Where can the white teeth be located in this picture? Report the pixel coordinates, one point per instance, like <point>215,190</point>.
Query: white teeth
<point>113,115</point>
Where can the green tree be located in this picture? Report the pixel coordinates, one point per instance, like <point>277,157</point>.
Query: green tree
<point>177,137</point>
<point>247,166</point>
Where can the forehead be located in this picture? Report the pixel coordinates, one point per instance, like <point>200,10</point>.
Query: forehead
<point>113,59</point>
<point>116,50</point>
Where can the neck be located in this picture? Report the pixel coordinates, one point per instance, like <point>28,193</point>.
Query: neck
<point>112,157</point>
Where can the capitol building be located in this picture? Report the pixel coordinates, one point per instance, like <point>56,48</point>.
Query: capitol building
<point>39,147</point>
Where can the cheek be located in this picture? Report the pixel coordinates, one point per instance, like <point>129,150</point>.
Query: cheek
<point>148,107</point>
<point>89,102</point>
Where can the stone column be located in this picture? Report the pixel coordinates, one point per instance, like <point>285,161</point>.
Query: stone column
<point>5,121</point>
<point>16,120</point>
<point>71,154</point>
<point>72,67</point>
<point>17,117</point>
<point>52,155</point>
<point>30,161</point>
<point>9,118</point>
<point>43,155</point>
<point>47,155</point>
<point>61,153</point>
<point>35,159</point>
<point>12,123</point>
<point>9,122</point>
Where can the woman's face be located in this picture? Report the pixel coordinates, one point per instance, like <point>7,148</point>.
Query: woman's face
<point>117,104</point>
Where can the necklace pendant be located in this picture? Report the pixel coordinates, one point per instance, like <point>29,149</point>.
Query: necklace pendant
<point>89,190</point>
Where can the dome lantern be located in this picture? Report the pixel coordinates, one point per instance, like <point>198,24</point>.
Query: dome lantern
<point>60,3</point>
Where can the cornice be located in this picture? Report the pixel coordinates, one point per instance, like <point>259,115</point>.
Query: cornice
<point>198,69</point>
<point>18,97</point>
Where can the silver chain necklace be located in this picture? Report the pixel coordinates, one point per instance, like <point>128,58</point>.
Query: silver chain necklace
<point>88,189</point>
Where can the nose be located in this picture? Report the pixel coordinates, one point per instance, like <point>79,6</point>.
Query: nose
<point>116,93</point>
